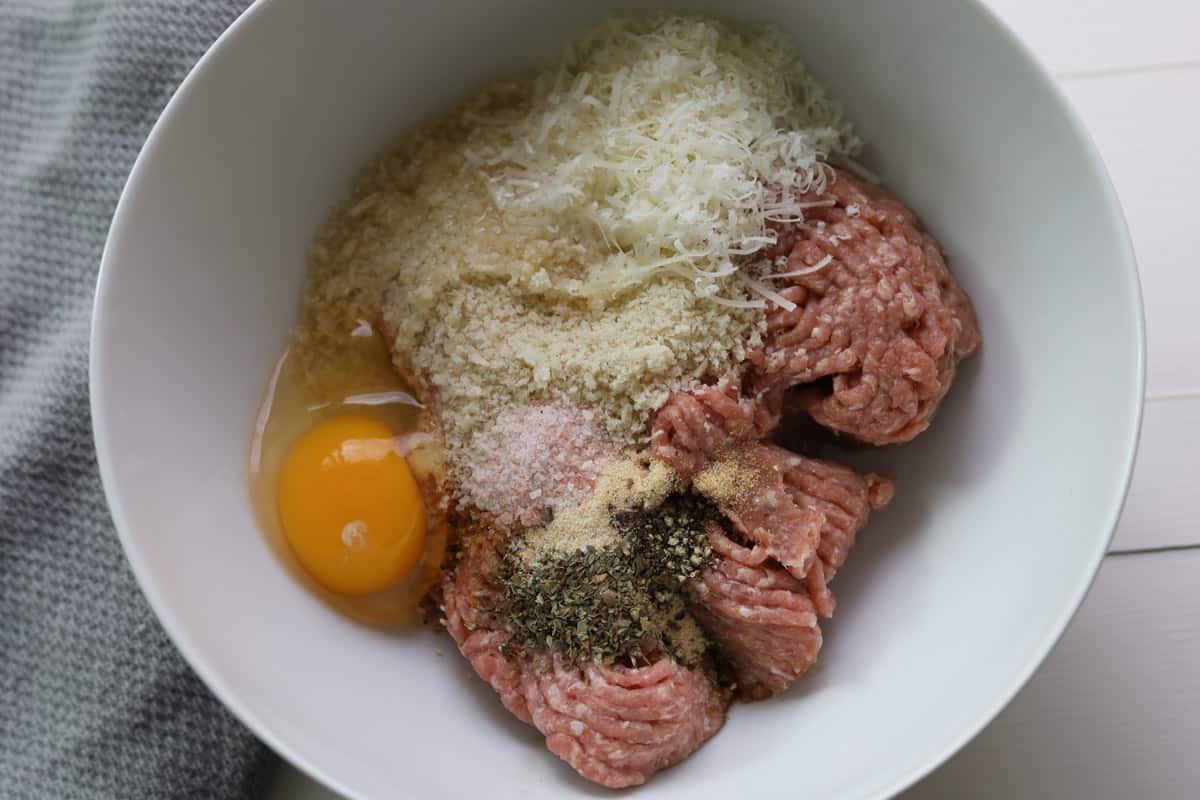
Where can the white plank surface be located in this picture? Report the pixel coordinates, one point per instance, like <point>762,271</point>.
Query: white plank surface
<point>1115,711</point>
<point>1163,502</point>
<point>1078,36</point>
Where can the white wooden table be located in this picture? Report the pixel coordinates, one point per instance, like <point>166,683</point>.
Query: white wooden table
<point>1114,714</point>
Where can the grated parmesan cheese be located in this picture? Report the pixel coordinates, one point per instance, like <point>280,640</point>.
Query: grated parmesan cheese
<point>674,141</point>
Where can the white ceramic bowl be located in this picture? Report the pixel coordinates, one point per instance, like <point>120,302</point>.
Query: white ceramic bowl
<point>956,592</point>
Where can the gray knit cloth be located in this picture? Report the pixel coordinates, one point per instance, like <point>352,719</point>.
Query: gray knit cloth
<point>95,702</point>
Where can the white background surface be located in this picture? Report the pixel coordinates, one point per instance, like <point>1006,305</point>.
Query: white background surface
<point>1115,710</point>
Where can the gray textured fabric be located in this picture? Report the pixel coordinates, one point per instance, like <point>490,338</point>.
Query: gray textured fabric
<point>94,700</point>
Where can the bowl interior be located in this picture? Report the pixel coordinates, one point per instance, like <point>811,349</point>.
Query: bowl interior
<point>956,592</point>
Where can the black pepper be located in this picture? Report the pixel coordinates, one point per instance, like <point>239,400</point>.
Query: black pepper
<point>624,602</point>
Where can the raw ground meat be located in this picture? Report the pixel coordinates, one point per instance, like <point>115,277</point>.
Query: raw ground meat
<point>844,498</point>
<point>803,513</point>
<point>696,425</point>
<point>765,514</point>
<point>480,637</point>
<point>884,322</point>
<point>618,725</point>
<point>760,600</point>
<point>759,615</point>
<point>615,725</point>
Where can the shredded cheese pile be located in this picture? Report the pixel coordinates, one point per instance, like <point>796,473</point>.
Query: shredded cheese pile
<point>673,140</point>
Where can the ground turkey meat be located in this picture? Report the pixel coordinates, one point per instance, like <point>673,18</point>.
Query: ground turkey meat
<point>760,616</point>
<point>695,426</point>
<point>761,508</point>
<point>802,512</point>
<point>792,524</point>
<point>615,725</point>
<point>883,322</point>
<point>844,498</point>
<point>618,725</point>
<point>465,594</point>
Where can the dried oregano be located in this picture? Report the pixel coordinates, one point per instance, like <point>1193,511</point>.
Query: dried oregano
<point>623,602</point>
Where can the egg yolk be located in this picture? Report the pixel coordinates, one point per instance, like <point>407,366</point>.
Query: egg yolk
<point>350,506</point>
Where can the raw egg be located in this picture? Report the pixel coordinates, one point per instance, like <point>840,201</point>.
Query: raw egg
<point>350,508</point>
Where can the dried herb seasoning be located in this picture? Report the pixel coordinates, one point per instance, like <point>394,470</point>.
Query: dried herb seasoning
<point>671,539</point>
<point>624,602</point>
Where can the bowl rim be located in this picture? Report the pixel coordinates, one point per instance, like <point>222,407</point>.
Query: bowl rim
<point>259,11</point>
